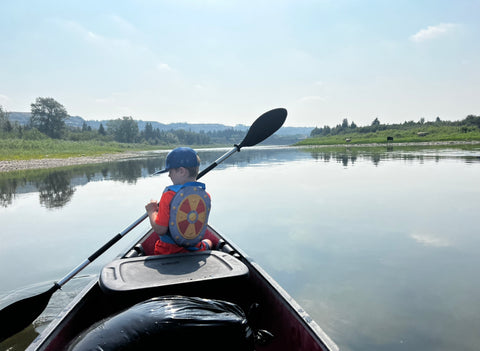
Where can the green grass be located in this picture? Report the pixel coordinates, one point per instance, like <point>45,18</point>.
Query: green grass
<point>20,149</point>
<point>399,136</point>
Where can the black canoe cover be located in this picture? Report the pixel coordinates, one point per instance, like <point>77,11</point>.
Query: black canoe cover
<point>170,323</point>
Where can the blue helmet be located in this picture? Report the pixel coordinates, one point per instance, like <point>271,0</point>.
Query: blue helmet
<point>180,157</point>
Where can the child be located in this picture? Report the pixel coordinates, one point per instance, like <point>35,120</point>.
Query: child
<point>180,218</point>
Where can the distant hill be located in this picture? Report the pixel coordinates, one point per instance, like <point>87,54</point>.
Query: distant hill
<point>23,118</point>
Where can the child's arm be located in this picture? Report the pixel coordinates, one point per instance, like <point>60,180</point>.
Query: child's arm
<point>152,211</point>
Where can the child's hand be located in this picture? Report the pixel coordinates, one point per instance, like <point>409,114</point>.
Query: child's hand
<point>152,206</point>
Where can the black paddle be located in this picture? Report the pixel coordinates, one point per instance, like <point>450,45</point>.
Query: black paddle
<point>20,314</point>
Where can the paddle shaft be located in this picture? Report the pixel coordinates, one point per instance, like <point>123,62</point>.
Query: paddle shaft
<point>117,237</point>
<point>100,251</point>
<point>262,128</point>
<point>218,161</point>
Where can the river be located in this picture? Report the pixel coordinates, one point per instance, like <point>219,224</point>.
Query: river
<point>379,245</point>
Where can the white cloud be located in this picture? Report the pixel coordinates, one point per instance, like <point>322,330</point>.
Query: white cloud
<point>93,36</point>
<point>432,32</point>
<point>430,240</point>
<point>162,67</point>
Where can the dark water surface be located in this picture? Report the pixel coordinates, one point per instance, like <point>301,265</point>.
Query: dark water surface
<point>380,246</point>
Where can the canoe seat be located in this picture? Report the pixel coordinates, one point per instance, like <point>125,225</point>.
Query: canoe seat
<point>145,272</point>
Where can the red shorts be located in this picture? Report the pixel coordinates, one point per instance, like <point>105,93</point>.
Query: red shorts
<point>163,248</point>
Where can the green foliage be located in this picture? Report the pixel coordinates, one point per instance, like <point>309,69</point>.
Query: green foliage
<point>5,125</point>
<point>465,130</point>
<point>102,130</point>
<point>173,137</point>
<point>227,136</point>
<point>48,136</point>
<point>472,120</point>
<point>48,116</point>
<point>124,130</point>
<point>78,135</point>
<point>34,134</point>
<point>48,120</point>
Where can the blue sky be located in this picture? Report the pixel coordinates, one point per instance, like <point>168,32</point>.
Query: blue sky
<point>212,61</point>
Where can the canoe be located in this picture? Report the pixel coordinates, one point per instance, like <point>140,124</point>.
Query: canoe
<point>225,278</point>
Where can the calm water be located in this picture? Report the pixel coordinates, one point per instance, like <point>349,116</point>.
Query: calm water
<point>380,246</point>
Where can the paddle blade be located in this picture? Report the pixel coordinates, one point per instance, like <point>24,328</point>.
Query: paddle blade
<point>264,126</point>
<point>21,314</point>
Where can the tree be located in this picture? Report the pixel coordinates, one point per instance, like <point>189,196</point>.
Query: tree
<point>86,127</point>
<point>3,115</point>
<point>149,134</point>
<point>48,116</point>
<point>316,131</point>
<point>124,130</point>
<point>472,120</point>
<point>5,124</point>
<point>375,125</point>
<point>101,130</point>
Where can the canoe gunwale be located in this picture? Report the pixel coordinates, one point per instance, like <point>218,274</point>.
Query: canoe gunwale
<point>303,317</point>
<point>52,329</point>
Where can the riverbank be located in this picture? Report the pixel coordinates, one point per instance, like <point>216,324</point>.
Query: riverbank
<point>426,143</point>
<point>18,165</point>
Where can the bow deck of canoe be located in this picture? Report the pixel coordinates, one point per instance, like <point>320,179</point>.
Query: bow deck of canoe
<point>225,275</point>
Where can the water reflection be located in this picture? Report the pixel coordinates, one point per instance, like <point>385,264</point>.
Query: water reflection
<point>349,155</point>
<point>345,231</point>
<point>55,190</point>
<point>56,187</point>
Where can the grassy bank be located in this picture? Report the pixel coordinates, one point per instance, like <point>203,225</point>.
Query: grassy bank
<point>399,136</point>
<point>20,149</point>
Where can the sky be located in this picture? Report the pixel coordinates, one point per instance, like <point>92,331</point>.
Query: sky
<point>213,61</point>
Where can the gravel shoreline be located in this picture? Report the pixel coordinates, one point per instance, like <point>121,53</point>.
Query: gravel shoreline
<point>19,165</point>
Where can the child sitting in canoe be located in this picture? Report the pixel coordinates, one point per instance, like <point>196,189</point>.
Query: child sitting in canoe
<point>180,218</point>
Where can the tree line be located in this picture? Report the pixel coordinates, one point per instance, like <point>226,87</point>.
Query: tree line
<point>470,123</point>
<point>48,120</point>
